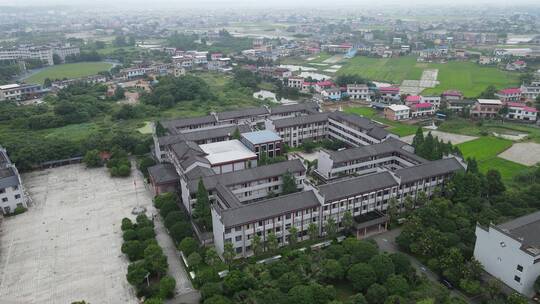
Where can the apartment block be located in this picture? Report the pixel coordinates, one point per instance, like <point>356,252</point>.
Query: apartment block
<point>12,193</point>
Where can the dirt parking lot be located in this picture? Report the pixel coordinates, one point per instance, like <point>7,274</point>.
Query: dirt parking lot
<point>524,153</point>
<point>453,138</point>
<point>67,246</point>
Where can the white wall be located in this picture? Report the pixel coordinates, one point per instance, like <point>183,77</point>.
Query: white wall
<point>500,255</point>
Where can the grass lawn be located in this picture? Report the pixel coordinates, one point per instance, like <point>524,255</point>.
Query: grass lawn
<point>485,150</point>
<point>74,132</point>
<point>468,77</point>
<point>395,127</point>
<point>468,127</point>
<point>146,128</point>
<point>383,69</point>
<point>70,70</point>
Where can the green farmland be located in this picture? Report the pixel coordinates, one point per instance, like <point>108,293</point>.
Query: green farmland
<point>70,70</point>
<point>467,77</point>
<point>395,127</point>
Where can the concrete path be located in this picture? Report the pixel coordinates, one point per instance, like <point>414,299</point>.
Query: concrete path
<point>387,242</point>
<point>185,293</point>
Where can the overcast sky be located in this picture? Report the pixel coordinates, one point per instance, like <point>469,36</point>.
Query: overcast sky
<point>260,3</point>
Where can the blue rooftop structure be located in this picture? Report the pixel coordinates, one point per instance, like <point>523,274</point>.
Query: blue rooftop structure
<point>259,137</point>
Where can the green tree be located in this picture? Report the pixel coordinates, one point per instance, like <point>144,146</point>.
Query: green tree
<point>516,298</point>
<point>383,266</point>
<point>133,249</point>
<point>256,245</point>
<point>236,134</point>
<point>154,260</point>
<point>211,256</point>
<point>228,253</point>
<point>397,285</point>
<point>202,206</point>
<point>92,159</point>
<point>313,231</point>
<point>194,260</point>
<point>347,221</point>
<point>188,245</point>
<point>166,287</point>
<point>289,184</point>
<point>331,270</point>
<point>136,273</point>
<point>418,139</point>
<point>357,299</point>
<point>495,185</point>
<point>293,236</point>
<point>126,224</point>
<point>331,228</point>
<point>272,242</point>
<point>217,299</point>
<point>376,294</point>
<point>361,276</point>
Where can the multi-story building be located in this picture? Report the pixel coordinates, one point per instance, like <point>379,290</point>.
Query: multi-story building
<point>389,94</point>
<point>509,95</point>
<point>422,109</point>
<point>358,92</point>
<point>391,154</point>
<point>486,108</point>
<point>248,200</point>
<point>452,95</point>
<point>263,143</point>
<point>44,54</point>
<point>511,251</point>
<point>11,187</point>
<point>531,91</point>
<point>17,92</point>
<point>65,51</point>
<point>397,112</point>
<point>435,101</point>
<point>295,82</point>
<point>520,111</point>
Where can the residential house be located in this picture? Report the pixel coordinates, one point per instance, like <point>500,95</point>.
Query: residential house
<point>422,109</point>
<point>531,91</point>
<point>358,92</point>
<point>486,108</point>
<point>12,194</point>
<point>397,112</point>
<point>509,95</point>
<point>520,111</point>
<point>389,94</point>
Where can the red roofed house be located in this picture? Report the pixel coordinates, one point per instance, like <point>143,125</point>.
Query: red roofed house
<point>510,94</point>
<point>389,94</point>
<point>422,109</point>
<point>521,111</point>
<point>322,85</point>
<point>452,95</point>
<point>413,99</point>
<point>517,65</point>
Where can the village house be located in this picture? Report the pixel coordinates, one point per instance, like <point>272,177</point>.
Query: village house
<point>422,109</point>
<point>509,95</point>
<point>518,65</point>
<point>295,82</point>
<point>530,91</point>
<point>358,92</point>
<point>389,94</point>
<point>520,111</point>
<point>396,112</point>
<point>486,108</point>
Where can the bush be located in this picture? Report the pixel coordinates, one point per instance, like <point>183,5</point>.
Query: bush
<point>180,230</point>
<point>173,218</point>
<point>145,233</point>
<point>210,289</point>
<point>19,210</point>
<point>129,235</point>
<point>133,249</point>
<point>167,207</point>
<point>92,159</point>
<point>166,287</point>
<point>126,224</point>
<point>188,245</point>
<point>143,221</point>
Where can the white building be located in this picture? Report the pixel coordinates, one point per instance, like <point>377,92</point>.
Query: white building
<point>531,91</point>
<point>434,100</point>
<point>44,54</point>
<point>66,51</point>
<point>521,111</point>
<point>511,251</point>
<point>11,187</point>
<point>295,82</point>
<point>358,92</point>
<point>397,112</point>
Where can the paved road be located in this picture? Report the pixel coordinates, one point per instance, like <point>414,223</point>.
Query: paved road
<point>185,293</point>
<point>387,242</point>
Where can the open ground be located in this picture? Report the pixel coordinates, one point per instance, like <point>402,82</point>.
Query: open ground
<point>70,70</point>
<point>444,136</point>
<point>523,153</point>
<point>66,247</point>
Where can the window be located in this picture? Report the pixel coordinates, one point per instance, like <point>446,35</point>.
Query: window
<point>238,229</point>
<point>2,190</point>
<point>238,238</point>
<point>520,268</point>
<point>517,279</point>
<point>4,199</point>
<point>17,196</point>
<point>238,250</point>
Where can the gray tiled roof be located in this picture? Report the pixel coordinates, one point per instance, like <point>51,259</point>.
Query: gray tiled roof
<point>525,229</point>
<point>269,208</point>
<point>388,146</point>
<point>357,185</point>
<point>163,173</point>
<point>242,113</point>
<point>214,132</point>
<point>300,107</point>
<point>300,120</point>
<point>182,148</point>
<point>8,178</point>
<point>430,169</point>
<point>247,175</point>
<point>172,125</point>
<point>373,129</point>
